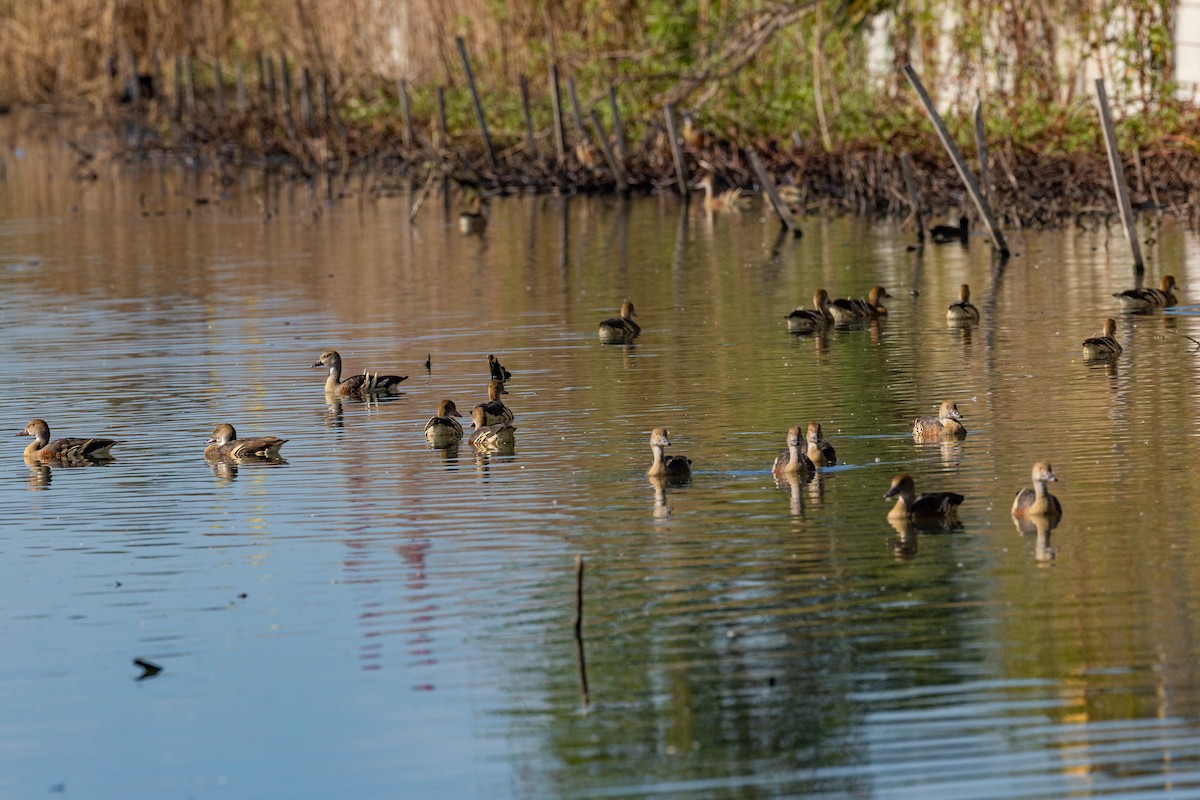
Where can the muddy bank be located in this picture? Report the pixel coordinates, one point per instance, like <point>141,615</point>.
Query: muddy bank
<point>1030,188</point>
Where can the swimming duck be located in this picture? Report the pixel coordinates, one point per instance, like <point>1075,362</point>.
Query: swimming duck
<point>910,505</point>
<point>963,311</point>
<point>1037,501</point>
<point>728,200</point>
<point>679,467</point>
<point>948,233</point>
<point>497,437</point>
<point>820,452</point>
<point>444,429</point>
<point>851,309</point>
<point>473,219</point>
<point>945,425</point>
<point>804,320</point>
<point>1149,298</point>
<point>622,329</point>
<point>366,383</point>
<point>1104,345</point>
<point>793,461</point>
<point>497,370</point>
<point>70,449</point>
<point>494,410</point>
<point>224,443</point>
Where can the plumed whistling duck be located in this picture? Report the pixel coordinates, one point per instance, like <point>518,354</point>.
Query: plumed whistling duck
<point>910,505</point>
<point>1037,501</point>
<point>820,452</point>
<point>1141,299</point>
<point>69,449</point>
<point>945,425</point>
<point>963,311</point>
<point>622,329</point>
<point>851,309</point>
<point>492,437</point>
<point>793,461</point>
<point>1105,345</point>
<point>444,429</point>
<point>663,466</point>
<point>494,410</point>
<point>943,234</point>
<point>815,320</point>
<point>224,444</point>
<point>366,383</point>
<point>728,200</point>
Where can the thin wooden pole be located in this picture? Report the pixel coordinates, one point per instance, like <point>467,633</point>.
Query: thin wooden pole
<point>968,179</point>
<point>443,137</point>
<point>1118,175</point>
<point>618,169</point>
<point>985,171</point>
<point>269,71</point>
<point>785,215</point>
<point>285,86</point>
<point>618,128</point>
<point>487,139</point>
<point>910,184</point>
<point>576,110</point>
<point>530,140</point>
<point>178,88</point>
<point>680,168</point>
<point>560,142</point>
<point>241,89</point>
<point>584,693</point>
<point>189,87</point>
<point>405,113</point>
<point>306,102</point>
<point>219,86</point>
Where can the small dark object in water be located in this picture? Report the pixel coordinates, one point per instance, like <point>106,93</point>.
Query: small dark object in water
<point>149,669</point>
<point>948,233</point>
<point>428,362</point>
<point>499,373</point>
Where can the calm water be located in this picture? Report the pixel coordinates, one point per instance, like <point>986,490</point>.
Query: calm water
<point>374,618</point>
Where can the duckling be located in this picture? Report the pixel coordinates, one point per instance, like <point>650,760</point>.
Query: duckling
<point>793,461</point>
<point>444,429</point>
<point>853,309</point>
<point>224,444</point>
<point>1141,299</point>
<point>498,437</point>
<point>803,320</point>
<point>820,451</point>
<point>366,383</point>
<point>497,370</point>
<point>963,311</point>
<point>473,219</point>
<point>1104,345</point>
<point>943,234</point>
<point>70,449</point>
<point>622,329</point>
<point>945,425</point>
<point>1037,501</point>
<point>494,410</point>
<point>910,505</point>
<point>678,467</point>
<point>728,200</point>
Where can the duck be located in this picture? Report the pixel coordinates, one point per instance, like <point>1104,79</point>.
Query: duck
<point>497,370</point>
<point>70,449</point>
<point>444,429</point>
<point>945,425</point>
<point>910,505</point>
<point>851,309</point>
<point>728,200</point>
<point>224,444</point>
<point>1105,345</point>
<point>793,461</point>
<point>366,383</point>
<point>691,133</point>
<point>494,410</point>
<point>663,466</point>
<point>622,329</point>
<point>1037,501</point>
<point>820,452</point>
<point>497,437</point>
<point>1141,298</point>
<point>473,219</point>
<point>943,234</point>
<point>963,311</point>
<point>803,320</point>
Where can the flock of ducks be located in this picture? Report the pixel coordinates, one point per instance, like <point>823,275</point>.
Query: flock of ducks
<point>493,429</point>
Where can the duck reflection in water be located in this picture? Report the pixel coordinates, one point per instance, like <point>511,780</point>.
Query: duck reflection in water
<point>793,484</point>
<point>1038,526</point>
<point>39,475</point>
<point>662,509</point>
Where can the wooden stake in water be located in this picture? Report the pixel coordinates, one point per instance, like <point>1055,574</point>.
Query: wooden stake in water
<point>1118,175</point>
<point>530,140</point>
<point>910,185</point>
<point>618,128</point>
<point>764,178</point>
<point>190,87</point>
<point>618,169</point>
<point>576,109</point>
<point>178,88</point>
<point>985,172</point>
<point>584,694</point>
<point>680,169</point>
<point>306,102</point>
<point>487,139</point>
<point>560,142</point>
<point>285,86</point>
<point>219,86</point>
<point>443,138</point>
<point>241,90</point>
<point>960,164</point>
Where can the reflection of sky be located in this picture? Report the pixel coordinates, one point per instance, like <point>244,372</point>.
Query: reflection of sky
<point>406,612</point>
